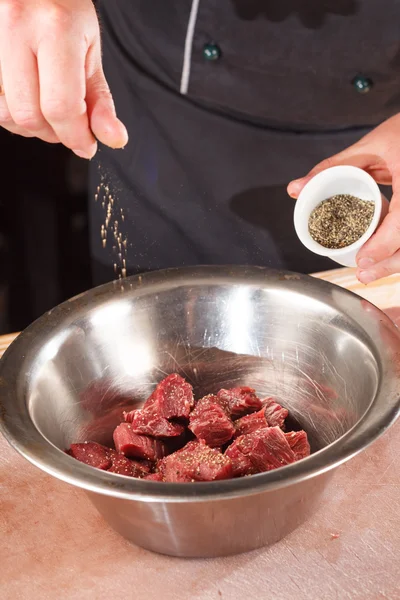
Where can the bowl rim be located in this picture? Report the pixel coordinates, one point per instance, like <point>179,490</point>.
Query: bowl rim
<point>20,431</point>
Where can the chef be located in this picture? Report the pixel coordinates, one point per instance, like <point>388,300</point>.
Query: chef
<point>224,102</point>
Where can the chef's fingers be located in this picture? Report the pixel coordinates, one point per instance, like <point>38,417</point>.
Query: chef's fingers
<point>18,131</point>
<point>104,123</point>
<point>386,240</point>
<point>20,82</point>
<point>381,246</point>
<point>386,267</point>
<point>6,122</point>
<point>50,139</point>
<point>6,119</point>
<point>352,157</point>
<point>382,175</point>
<point>61,62</point>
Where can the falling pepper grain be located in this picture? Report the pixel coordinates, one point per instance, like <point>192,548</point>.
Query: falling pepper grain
<point>112,212</point>
<point>340,220</point>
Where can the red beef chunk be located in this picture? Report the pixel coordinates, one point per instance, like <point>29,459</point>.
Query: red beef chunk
<point>156,442</point>
<point>172,398</point>
<point>298,442</point>
<point>146,423</point>
<point>240,401</point>
<point>251,423</point>
<point>210,423</point>
<point>267,449</point>
<point>124,466</point>
<point>241,463</point>
<point>133,445</point>
<point>274,413</point>
<point>196,462</point>
<point>92,454</point>
<point>154,477</point>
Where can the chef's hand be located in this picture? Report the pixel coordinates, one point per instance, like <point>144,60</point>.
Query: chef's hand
<point>52,81</point>
<point>378,153</point>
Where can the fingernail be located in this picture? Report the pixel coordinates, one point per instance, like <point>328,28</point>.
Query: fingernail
<point>365,263</point>
<point>366,277</point>
<point>123,137</point>
<point>293,188</point>
<point>83,154</point>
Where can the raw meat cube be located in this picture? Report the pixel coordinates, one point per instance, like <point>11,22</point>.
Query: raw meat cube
<point>154,477</point>
<point>124,466</point>
<point>209,422</point>
<point>196,462</point>
<point>267,449</point>
<point>251,423</point>
<point>271,450</point>
<point>240,401</point>
<point>241,463</point>
<point>158,442</point>
<point>274,413</point>
<point>91,453</point>
<point>172,398</point>
<point>147,423</point>
<point>134,445</point>
<point>298,442</point>
<point>121,465</point>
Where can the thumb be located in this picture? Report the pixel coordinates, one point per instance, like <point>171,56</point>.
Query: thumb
<point>105,125</point>
<point>362,161</point>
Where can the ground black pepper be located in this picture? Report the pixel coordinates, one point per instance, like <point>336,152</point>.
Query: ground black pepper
<point>340,220</point>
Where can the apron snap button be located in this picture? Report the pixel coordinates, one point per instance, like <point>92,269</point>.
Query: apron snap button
<point>362,84</point>
<point>211,52</point>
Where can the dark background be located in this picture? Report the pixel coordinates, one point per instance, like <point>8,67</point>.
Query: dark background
<point>44,238</point>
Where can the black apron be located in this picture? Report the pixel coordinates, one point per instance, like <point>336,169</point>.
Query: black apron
<point>225,102</point>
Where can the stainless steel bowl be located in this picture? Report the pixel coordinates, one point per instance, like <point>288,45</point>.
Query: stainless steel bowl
<point>329,356</point>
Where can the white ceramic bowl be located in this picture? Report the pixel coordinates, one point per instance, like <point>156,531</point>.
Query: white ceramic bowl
<point>338,180</point>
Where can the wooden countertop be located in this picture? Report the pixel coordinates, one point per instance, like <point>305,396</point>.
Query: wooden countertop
<point>54,545</point>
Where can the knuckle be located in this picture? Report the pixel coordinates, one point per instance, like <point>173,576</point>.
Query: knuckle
<point>28,118</point>
<point>5,117</point>
<point>103,94</point>
<point>11,12</point>
<point>60,109</point>
<point>55,111</point>
<point>58,17</point>
<point>98,84</point>
<point>103,91</point>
